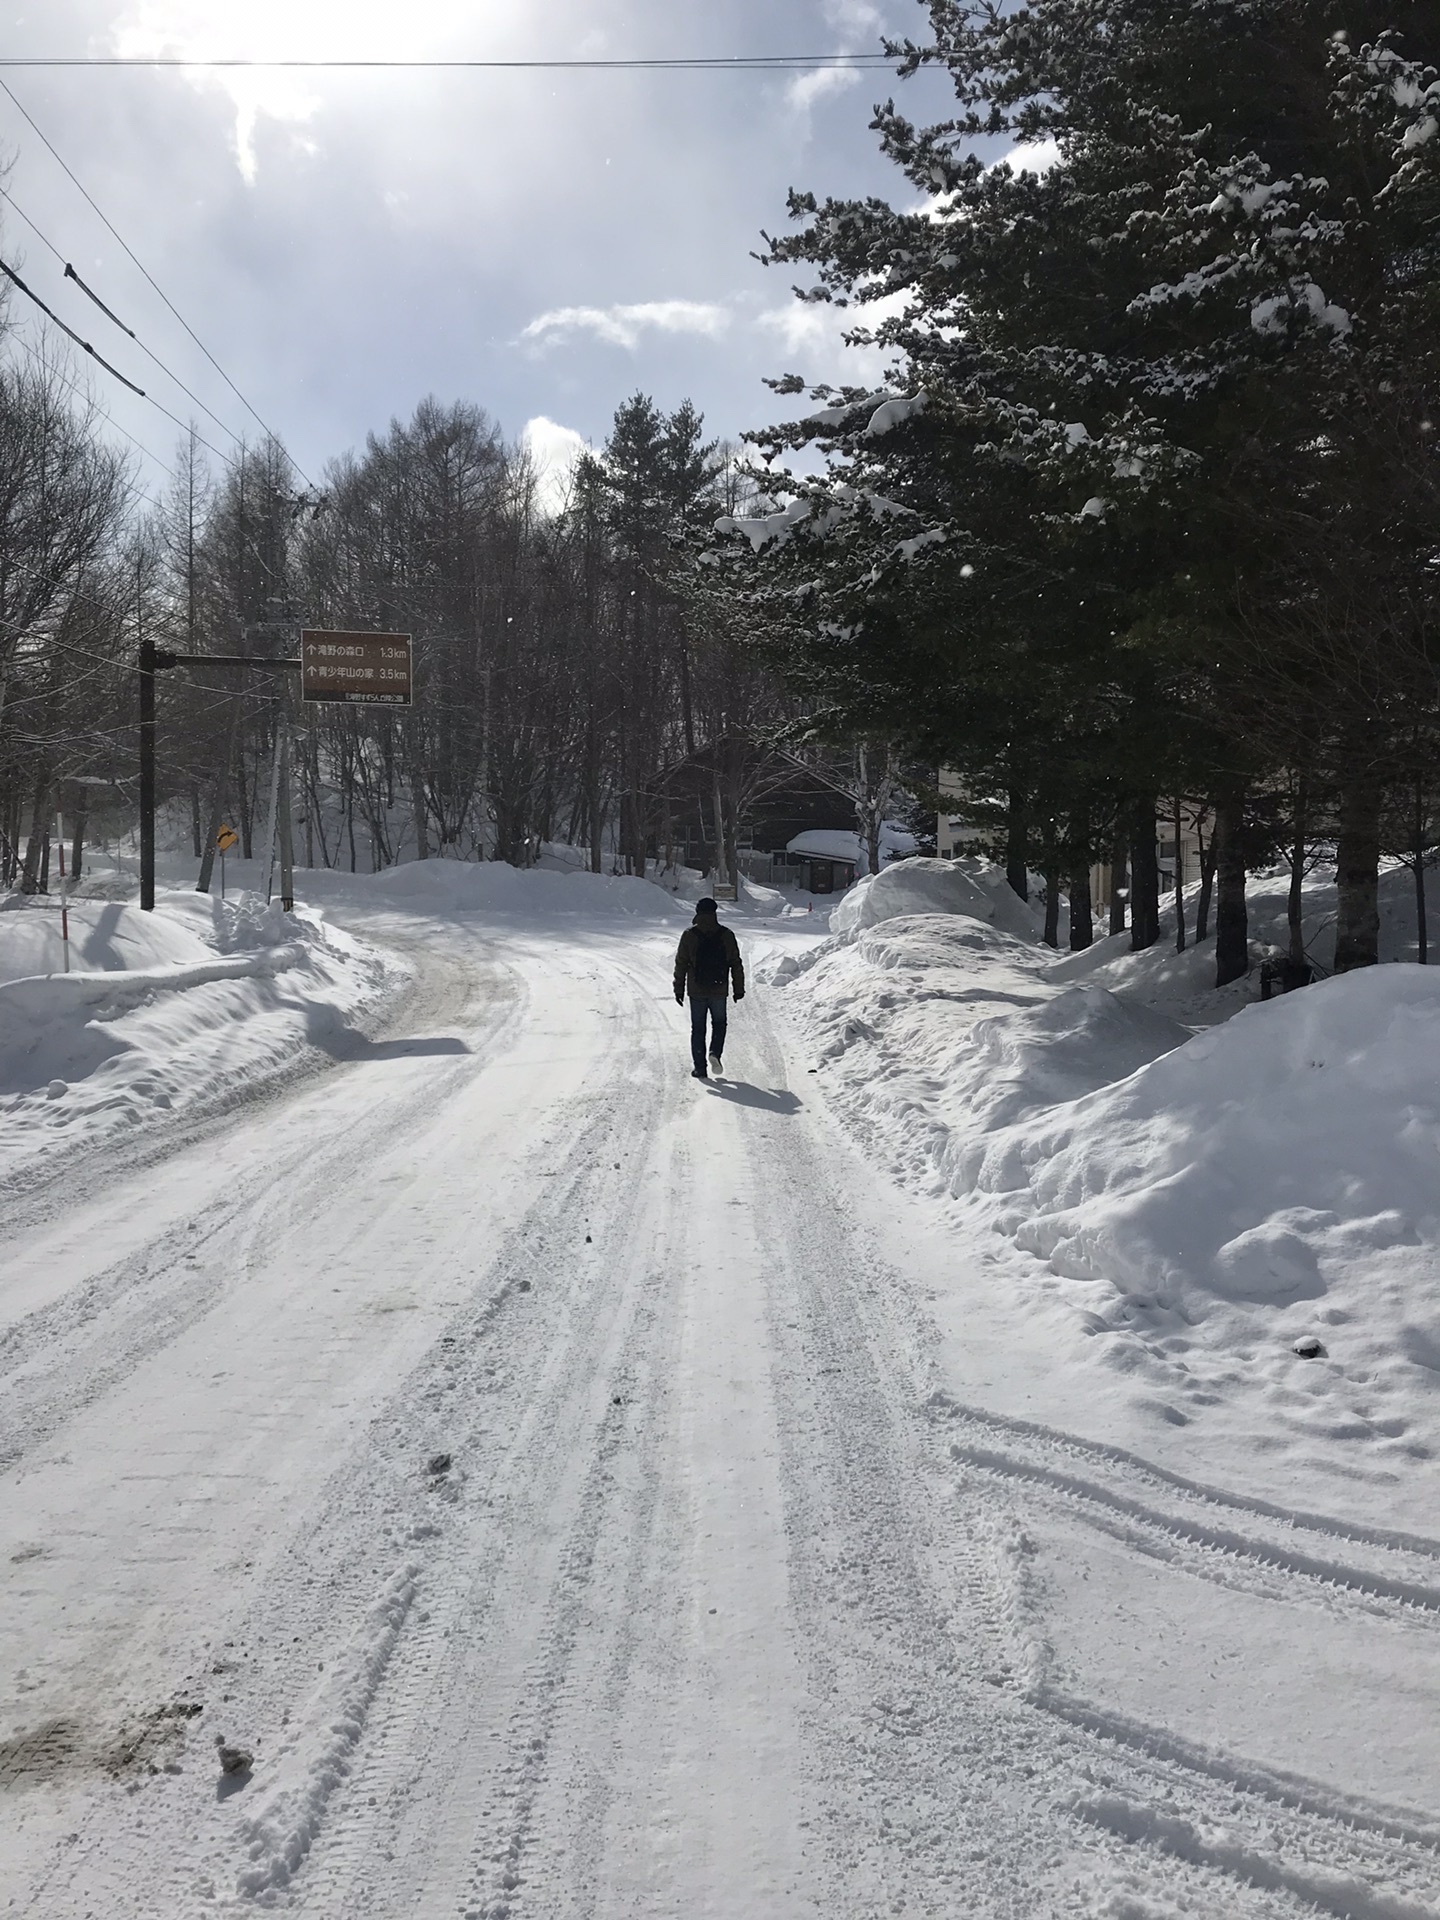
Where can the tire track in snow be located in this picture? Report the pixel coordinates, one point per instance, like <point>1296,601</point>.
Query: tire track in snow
<point>1173,1517</point>
<point>362,1515</point>
<point>1372,1842</point>
<point>485,1678</point>
<point>1062,1772</point>
<point>64,1357</point>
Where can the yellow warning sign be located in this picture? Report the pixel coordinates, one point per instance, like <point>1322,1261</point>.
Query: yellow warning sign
<point>226,838</point>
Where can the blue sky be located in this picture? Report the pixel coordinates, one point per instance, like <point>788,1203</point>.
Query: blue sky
<point>543,244</point>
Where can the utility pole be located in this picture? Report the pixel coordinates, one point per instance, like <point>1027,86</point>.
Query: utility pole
<point>274,819</point>
<point>287,822</point>
<point>147,776</point>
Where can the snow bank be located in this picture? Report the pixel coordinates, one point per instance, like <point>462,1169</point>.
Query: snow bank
<point>932,1029</point>
<point>490,886</point>
<point>1268,1187</point>
<point>105,937</point>
<point>1248,1216</point>
<point>186,1007</point>
<point>1260,1162</point>
<point>975,888</point>
<point>1183,984</point>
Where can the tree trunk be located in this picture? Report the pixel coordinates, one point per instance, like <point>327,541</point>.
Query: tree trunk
<point>77,852</point>
<point>31,880</point>
<point>195,816</point>
<point>1051,935</point>
<point>1144,876</point>
<point>1207,888</point>
<point>247,819</point>
<point>1082,912</point>
<point>1294,904</point>
<point>1119,881</point>
<point>1422,942</point>
<point>1017,861</point>
<point>1179,885</point>
<point>417,803</point>
<point>1232,928</point>
<point>1357,875</point>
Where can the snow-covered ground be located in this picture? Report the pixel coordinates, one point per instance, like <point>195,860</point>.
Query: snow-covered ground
<point>879,1482</point>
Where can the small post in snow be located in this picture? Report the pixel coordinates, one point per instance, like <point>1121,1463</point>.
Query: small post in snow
<point>224,840</point>
<point>64,890</point>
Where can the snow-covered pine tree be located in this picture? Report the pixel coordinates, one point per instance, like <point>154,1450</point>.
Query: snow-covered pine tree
<point>1122,361</point>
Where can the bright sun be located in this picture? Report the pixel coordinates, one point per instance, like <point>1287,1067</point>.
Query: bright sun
<point>310,30</point>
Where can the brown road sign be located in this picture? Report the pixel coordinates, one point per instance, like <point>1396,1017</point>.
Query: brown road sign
<point>226,838</point>
<point>370,668</point>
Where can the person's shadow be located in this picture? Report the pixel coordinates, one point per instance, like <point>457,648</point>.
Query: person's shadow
<point>775,1100</point>
<point>325,1030</point>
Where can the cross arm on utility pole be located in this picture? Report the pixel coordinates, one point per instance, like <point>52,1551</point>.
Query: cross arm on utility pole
<point>165,659</point>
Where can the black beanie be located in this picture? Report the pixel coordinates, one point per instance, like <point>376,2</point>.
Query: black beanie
<point>707,906</point>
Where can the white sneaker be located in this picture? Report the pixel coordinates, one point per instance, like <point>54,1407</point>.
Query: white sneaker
<point>715,1063</point>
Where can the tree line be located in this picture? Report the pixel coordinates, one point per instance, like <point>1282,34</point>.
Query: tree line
<point>566,661</point>
<point>1145,522</point>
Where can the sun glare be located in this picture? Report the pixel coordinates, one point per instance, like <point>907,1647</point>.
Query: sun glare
<point>314,30</point>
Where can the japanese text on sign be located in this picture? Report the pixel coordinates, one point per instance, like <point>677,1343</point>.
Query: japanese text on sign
<point>370,668</point>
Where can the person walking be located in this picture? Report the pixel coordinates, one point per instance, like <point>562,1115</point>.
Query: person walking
<point>707,962</point>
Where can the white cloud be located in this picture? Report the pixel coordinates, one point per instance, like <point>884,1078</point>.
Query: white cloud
<point>813,332</point>
<point>296,30</point>
<point>622,326</point>
<point>1031,156</point>
<point>856,25</point>
<point>554,449</point>
<point>806,88</point>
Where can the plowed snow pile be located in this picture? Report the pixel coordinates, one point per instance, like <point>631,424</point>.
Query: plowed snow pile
<point>932,1030</point>
<point>1273,1181</point>
<point>1202,1206</point>
<point>180,1008</point>
<point>975,888</point>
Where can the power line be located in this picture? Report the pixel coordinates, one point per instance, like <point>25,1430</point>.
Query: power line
<point>134,257</point>
<point>84,345</point>
<point>91,294</point>
<point>99,359</point>
<point>685,63</point>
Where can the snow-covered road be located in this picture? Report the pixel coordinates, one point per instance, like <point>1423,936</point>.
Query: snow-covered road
<point>542,1466</point>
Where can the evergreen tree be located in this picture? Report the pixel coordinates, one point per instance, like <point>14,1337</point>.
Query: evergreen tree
<point>1120,381</point>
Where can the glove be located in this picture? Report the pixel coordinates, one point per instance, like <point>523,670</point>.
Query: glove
<point>679,996</point>
<point>739,995</point>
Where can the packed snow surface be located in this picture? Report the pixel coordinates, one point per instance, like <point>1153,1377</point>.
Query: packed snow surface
<point>488,1473</point>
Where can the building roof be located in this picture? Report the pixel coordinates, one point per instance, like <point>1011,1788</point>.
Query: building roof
<point>827,843</point>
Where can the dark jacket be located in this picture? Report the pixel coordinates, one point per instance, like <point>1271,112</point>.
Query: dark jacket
<point>688,950</point>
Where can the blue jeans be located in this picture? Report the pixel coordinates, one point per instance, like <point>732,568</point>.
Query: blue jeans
<point>716,1006</point>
